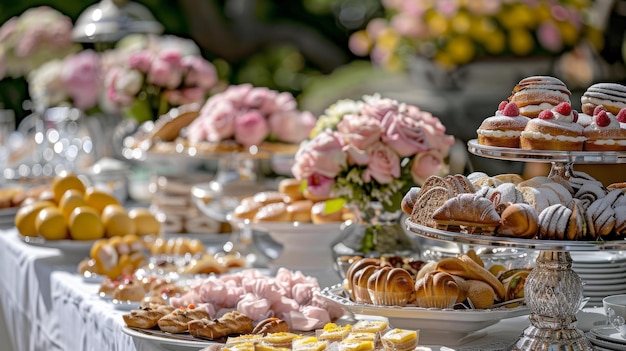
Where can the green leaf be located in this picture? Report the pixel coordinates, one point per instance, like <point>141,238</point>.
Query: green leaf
<point>139,110</point>
<point>334,205</point>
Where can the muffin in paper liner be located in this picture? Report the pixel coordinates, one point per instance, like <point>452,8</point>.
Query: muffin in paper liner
<point>386,298</point>
<point>445,301</point>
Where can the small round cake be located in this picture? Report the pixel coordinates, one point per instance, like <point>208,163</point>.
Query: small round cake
<point>537,93</point>
<point>554,129</point>
<point>605,133</point>
<point>503,129</point>
<point>610,95</point>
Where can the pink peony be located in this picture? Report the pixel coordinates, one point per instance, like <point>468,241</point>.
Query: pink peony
<point>384,165</point>
<point>166,70</point>
<point>426,164</point>
<point>251,128</point>
<point>404,134</point>
<point>200,72</point>
<point>81,78</point>
<point>322,155</point>
<point>184,96</point>
<point>214,124</point>
<point>141,61</point>
<point>291,126</point>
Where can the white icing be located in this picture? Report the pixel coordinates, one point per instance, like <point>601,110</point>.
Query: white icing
<point>499,133</point>
<point>597,101</point>
<point>538,135</point>
<point>563,118</point>
<point>613,124</point>
<point>584,119</point>
<point>569,126</point>
<point>536,108</point>
<point>610,142</point>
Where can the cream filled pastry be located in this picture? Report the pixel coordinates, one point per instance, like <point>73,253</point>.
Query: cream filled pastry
<point>604,133</point>
<point>503,129</point>
<point>610,95</point>
<point>554,129</point>
<point>537,93</point>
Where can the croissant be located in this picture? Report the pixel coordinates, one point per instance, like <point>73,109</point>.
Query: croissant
<point>468,210</point>
<point>230,323</point>
<point>519,220</point>
<point>467,268</point>
<point>360,283</point>
<point>355,267</point>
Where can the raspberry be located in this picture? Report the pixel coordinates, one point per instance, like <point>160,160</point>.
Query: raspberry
<point>546,114</point>
<point>502,105</point>
<point>602,119</point>
<point>511,110</point>
<point>621,116</point>
<point>575,114</point>
<point>598,109</point>
<point>563,108</point>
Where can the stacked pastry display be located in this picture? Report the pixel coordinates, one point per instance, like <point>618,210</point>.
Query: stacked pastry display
<point>578,208</point>
<point>441,284</point>
<point>538,116</point>
<point>171,201</point>
<point>289,204</point>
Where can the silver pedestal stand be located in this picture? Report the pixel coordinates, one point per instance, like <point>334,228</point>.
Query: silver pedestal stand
<point>553,290</point>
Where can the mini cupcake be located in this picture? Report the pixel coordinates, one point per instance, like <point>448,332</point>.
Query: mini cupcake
<point>436,290</point>
<point>391,286</point>
<point>504,128</point>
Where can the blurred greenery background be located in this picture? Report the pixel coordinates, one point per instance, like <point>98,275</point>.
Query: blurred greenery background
<point>281,44</point>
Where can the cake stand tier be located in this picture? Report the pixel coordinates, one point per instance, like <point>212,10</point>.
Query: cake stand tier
<point>553,291</point>
<point>546,156</point>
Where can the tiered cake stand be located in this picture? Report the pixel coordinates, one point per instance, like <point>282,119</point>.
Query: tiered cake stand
<point>553,291</point>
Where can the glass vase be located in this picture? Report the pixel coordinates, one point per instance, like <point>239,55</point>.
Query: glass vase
<point>376,232</point>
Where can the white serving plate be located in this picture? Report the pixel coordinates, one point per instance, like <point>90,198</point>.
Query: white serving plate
<point>604,288</point>
<point>173,342</point>
<point>598,257</point>
<point>72,247</point>
<point>599,270</point>
<point>448,324</point>
<point>605,344</point>
<point>589,281</point>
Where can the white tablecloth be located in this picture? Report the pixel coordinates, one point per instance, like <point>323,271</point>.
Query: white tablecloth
<point>47,306</point>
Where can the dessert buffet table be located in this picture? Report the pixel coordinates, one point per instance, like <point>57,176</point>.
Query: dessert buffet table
<point>47,306</point>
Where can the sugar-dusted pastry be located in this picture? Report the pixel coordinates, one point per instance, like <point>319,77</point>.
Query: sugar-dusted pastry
<point>612,96</point>
<point>554,129</point>
<point>519,220</point>
<point>537,93</point>
<point>504,128</point>
<point>604,133</point>
<point>468,211</point>
<point>146,317</point>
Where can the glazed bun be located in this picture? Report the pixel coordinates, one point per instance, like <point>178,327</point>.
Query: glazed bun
<point>291,188</point>
<point>319,214</point>
<point>436,289</point>
<point>519,220</point>
<point>314,197</point>
<point>247,209</point>
<point>300,210</point>
<point>274,212</point>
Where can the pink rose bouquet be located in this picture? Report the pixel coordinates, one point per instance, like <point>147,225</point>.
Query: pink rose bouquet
<point>372,150</point>
<point>38,35</point>
<point>73,81</point>
<point>147,83</point>
<point>250,116</point>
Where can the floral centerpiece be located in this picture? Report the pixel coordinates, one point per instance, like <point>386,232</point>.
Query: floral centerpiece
<point>73,81</point>
<point>454,32</point>
<point>369,153</point>
<point>147,82</point>
<point>36,36</point>
<point>246,116</point>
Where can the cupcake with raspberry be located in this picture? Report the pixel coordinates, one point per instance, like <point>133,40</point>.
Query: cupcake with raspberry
<point>605,133</point>
<point>504,128</point>
<point>554,129</point>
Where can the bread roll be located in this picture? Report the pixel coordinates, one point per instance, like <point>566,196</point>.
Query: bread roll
<point>291,188</point>
<point>267,197</point>
<point>360,281</point>
<point>390,286</point>
<point>480,293</point>
<point>300,210</point>
<point>319,214</point>
<point>465,267</point>
<point>273,212</point>
<point>356,266</point>
<point>247,209</point>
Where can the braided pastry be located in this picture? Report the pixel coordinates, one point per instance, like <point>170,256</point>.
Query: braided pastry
<point>146,317</point>
<point>177,320</point>
<point>231,323</point>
